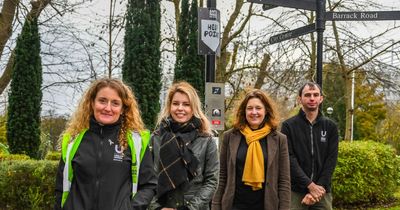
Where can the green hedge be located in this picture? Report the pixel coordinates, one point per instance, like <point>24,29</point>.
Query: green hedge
<point>367,172</point>
<point>53,155</point>
<point>27,184</point>
<point>13,157</point>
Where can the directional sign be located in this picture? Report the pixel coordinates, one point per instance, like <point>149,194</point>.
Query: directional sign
<point>209,31</point>
<point>268,7</point>
<point>292,34</point>
<point>363,16</point>
<point>297,4</point>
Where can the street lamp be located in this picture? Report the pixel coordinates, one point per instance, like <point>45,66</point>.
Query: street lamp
<point>329,111</point>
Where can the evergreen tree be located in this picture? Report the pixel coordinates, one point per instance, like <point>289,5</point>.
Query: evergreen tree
<point>23,123</point>
<point>189,65</point>
<point>141,68</point>
<point>333,91</point>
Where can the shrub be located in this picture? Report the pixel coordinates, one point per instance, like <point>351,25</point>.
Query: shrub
<point>13,157</point>
<point>53,155</point>
<point>4,149</point>
<point>27,184</point>
<point>366,172</point>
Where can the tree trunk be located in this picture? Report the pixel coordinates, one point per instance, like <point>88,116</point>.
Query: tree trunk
<point>37,7</point>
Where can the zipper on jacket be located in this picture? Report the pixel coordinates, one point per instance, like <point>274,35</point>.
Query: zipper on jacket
<point>99,157</point>
<point>312,152</point>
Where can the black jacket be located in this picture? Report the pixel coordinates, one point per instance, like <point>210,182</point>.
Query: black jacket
<point>102,176</point>
<point>197,194</point>
<point>313,151</point>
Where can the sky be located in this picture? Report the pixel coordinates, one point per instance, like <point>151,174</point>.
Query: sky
<point>88,18</point>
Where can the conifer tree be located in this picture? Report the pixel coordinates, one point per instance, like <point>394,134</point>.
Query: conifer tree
<point>141,68</point>
<point>189,65</point>
<point>23,124</point>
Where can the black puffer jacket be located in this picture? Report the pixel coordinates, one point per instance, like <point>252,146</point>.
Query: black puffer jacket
<point>102,176</point>
<point>313,151</point>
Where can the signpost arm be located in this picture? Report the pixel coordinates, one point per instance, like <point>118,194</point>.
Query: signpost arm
<point>320,27</point>
<point>210,59</point>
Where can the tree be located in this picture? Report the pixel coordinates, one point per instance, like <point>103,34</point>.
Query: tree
<point>189,66</point>
<point>334,96</point>
<point>141,68</point>
<point>52,127</point>
<point>353,55</point>
<point>370,109</point>
<point>7,16</point>
<point>23,122</point>
<point>389,129</point>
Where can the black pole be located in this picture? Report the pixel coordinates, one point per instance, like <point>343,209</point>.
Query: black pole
<point>320,27</point>
<point>210,59</point>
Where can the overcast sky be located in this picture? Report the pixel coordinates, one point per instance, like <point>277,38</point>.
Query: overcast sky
<point>95,12</point>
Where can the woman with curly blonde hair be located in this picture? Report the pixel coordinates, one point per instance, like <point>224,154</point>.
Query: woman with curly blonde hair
<point>104,146</point>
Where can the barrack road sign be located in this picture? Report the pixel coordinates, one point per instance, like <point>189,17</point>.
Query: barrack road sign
<point>362,16</point>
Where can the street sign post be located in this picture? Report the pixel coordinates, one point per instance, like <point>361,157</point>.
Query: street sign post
<point>363,16</point>
<point>209,31</point>
<point>297,4</point>
<point>215,105</point>
<point>292,34</point>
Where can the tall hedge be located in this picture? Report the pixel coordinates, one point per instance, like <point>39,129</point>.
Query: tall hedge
<point>189,65</point>
<point>141,68</point>
<point>23,122</point>
<point>367,172</point>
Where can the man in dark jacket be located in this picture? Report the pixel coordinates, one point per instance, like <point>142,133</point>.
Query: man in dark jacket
<point>313,150</point>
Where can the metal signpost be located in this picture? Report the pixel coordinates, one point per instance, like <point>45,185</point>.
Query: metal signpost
<point>210,46</point>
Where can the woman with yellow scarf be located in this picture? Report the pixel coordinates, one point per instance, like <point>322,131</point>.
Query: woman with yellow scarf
<point>254,159</point>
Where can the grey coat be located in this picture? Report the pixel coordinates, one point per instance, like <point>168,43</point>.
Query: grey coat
<point>277,185</point>
<point>197,194</point>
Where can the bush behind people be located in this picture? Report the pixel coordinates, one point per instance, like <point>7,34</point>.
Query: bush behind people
<point>367,173</point>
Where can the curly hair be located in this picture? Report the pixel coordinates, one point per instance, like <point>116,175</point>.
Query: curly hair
<point>195,104</point>
<point>271,113</point>
<point>131,118</point>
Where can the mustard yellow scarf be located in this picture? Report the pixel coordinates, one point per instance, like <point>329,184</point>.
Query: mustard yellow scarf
<point>254,174</point>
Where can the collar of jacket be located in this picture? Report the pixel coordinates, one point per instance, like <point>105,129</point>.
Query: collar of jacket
<point>97,127</point>
<point>303,116</point>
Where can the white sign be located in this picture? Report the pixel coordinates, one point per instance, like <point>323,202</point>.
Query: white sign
<point>210,33</point>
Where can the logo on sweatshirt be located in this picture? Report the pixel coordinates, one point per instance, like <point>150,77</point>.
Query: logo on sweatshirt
<point>323,136</point>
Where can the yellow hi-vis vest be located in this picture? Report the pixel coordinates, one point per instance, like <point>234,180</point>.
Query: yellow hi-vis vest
<point>137,141</point>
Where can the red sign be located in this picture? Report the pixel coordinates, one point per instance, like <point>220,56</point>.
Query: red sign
<point>216,122</point>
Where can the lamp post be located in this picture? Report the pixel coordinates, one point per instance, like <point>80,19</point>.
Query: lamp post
<point>329,111</point>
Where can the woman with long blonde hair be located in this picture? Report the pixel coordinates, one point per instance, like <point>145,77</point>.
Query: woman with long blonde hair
<point>185,154</point>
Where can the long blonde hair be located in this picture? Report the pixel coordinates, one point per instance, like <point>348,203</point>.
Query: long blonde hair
<point>131,119</point>
<point>195,104</point>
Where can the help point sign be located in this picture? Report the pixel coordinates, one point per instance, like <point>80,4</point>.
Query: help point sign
<point>209,31</point>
